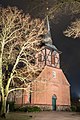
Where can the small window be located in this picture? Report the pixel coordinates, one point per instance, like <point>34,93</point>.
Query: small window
<point>39,58</point>
<point>54,74</point>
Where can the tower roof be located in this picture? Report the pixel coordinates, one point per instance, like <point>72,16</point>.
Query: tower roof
<point>48,38</point>
<point>53,47</point>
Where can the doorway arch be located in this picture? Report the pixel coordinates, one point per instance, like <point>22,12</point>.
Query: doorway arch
<point>54,98</point>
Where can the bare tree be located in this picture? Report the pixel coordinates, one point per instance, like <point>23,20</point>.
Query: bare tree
<point>73,30</point>
<point>70,7</point>
<point>20,39</point>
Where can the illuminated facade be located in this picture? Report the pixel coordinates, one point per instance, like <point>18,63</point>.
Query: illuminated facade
<point>51,88</point>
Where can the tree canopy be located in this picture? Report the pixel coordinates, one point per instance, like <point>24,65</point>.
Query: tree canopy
<point>20,39</point>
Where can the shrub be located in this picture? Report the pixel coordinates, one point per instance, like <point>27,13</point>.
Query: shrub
<point>34,109</point>
<point>73,108</point>
<point>11,106</point>
<point>29,109</point>
<point>78,109</point>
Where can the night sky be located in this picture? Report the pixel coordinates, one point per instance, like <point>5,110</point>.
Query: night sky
<point>70,57</point>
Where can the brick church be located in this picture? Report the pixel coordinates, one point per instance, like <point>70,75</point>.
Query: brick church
<point>51,88</point>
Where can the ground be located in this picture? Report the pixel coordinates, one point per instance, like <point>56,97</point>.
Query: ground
<point>56,116</point>
<point>17,116</point>
<point>49,115</point>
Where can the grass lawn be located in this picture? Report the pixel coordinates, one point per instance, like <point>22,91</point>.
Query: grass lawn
<point>17,116</point>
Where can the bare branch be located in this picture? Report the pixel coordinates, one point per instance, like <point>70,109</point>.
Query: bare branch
<point>73,30</point>
<point>14,89</point>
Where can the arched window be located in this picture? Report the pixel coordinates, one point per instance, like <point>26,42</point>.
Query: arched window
<point>54,96</point>
<point>54,74</point>
<point>39,57</point>
<point>53,59</point>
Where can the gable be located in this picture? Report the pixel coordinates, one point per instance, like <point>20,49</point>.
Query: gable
<point>53,75</point>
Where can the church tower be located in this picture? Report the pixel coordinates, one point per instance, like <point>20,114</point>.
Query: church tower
<point>49,55</point>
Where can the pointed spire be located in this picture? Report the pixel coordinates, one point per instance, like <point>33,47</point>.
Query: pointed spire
<point>48,38</point>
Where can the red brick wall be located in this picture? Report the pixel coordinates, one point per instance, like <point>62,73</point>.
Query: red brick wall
<point>47,85</point>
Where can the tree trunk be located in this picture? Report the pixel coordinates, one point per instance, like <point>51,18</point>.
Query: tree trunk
<point>2,90</point>
<point>3,106</point>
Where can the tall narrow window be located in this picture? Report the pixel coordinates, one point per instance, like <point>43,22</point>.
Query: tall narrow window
<point>53,59</point>
<point>39,58</point>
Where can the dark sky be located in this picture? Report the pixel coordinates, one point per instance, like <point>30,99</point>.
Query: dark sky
<point>70,57</point>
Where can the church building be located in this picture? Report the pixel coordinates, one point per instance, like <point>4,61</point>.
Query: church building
<point>51,89</point>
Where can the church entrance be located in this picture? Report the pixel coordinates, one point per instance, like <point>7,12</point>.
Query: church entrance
<point>54,102</point>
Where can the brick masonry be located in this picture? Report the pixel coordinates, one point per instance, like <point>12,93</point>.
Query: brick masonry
<point>47,86</point>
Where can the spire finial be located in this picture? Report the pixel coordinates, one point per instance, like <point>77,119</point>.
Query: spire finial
<point>48,26</point>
